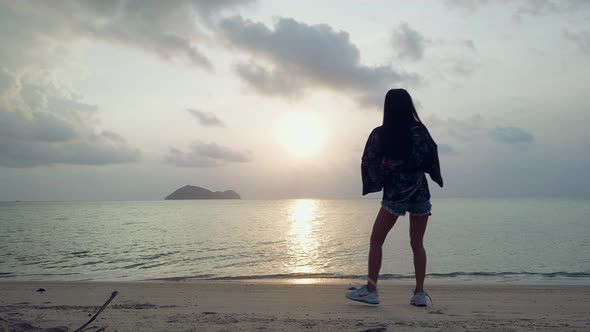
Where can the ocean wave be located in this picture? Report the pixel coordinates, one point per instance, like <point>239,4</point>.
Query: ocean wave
<point>15,275</point>
<point>451,275</point>
<point>559,274</point>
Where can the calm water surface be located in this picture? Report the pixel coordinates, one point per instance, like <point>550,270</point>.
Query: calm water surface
<point>503,240</point>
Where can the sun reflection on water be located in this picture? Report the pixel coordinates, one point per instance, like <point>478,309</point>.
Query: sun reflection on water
<point>303,244</point>
<point>304,281</point>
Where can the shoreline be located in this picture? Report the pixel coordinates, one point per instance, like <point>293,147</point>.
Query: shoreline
<point>263,306</point>
<point>526,279</point>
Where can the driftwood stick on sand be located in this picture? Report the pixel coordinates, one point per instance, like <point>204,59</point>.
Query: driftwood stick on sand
<point>38,319</point>
<point>115,293</point>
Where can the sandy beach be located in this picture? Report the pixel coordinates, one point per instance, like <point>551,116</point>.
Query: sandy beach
<point>257,306</point>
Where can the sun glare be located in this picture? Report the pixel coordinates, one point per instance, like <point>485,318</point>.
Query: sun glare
<point>301,136</point>
<point>303,246</point>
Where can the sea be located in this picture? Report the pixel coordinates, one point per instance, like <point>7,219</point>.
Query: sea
<point>481,240</point>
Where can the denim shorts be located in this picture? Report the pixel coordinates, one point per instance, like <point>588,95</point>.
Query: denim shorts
<point>415,209</point>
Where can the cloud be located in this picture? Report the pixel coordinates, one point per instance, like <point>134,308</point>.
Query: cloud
<point>453,43</point>
<point>267,82</point>
<point>98,151</point>
<point>408,43</point>
<point>471,5</point>
<point>206,155</point>
<point>25,38</point>
<point>6,81</point>
<point>206,119</point>
<point>511,135</point>
<point>548,7</point>
<point>455,57</point>
<point>470,129</point>
<point>172,30</point>
<point>462,67</point>
<point>212,150</point>
<point>525,7</point>
<point>580,39</point>
<point>39,127</point>
<point>35,127</point>
<point>189,159</point>
<point>470,44</point>
<point>536,52</point>
<point>302,56</point>
<point>291,57</point>
<point>476,129</point>
<point>446,149</point>
<point>211,7</point>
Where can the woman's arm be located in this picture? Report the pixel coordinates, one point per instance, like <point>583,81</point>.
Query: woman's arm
<point>373,171</point>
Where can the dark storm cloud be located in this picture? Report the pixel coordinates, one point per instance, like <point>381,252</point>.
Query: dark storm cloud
<point>299,56</point>
<point>206,155</point>
<point>206,119</point>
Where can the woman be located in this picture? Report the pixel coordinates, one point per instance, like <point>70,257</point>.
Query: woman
<point>396,157</point>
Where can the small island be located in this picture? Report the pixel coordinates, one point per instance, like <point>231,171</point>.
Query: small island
<point>194,192</point>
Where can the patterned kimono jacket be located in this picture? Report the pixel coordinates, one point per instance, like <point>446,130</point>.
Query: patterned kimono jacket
<point>406,179</point>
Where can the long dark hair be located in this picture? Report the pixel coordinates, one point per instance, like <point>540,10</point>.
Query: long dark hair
<point>399,114</point>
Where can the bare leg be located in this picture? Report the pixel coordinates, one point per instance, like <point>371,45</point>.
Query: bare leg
<point>417,229</point>
<point>383,224</point>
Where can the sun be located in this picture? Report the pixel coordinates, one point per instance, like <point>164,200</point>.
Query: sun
<point>301,136</point>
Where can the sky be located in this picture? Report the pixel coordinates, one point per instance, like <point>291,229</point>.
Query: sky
<point>130,100</point>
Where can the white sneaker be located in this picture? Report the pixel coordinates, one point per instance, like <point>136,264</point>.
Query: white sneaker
<point>362,294</point>
<point>419,299</point>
